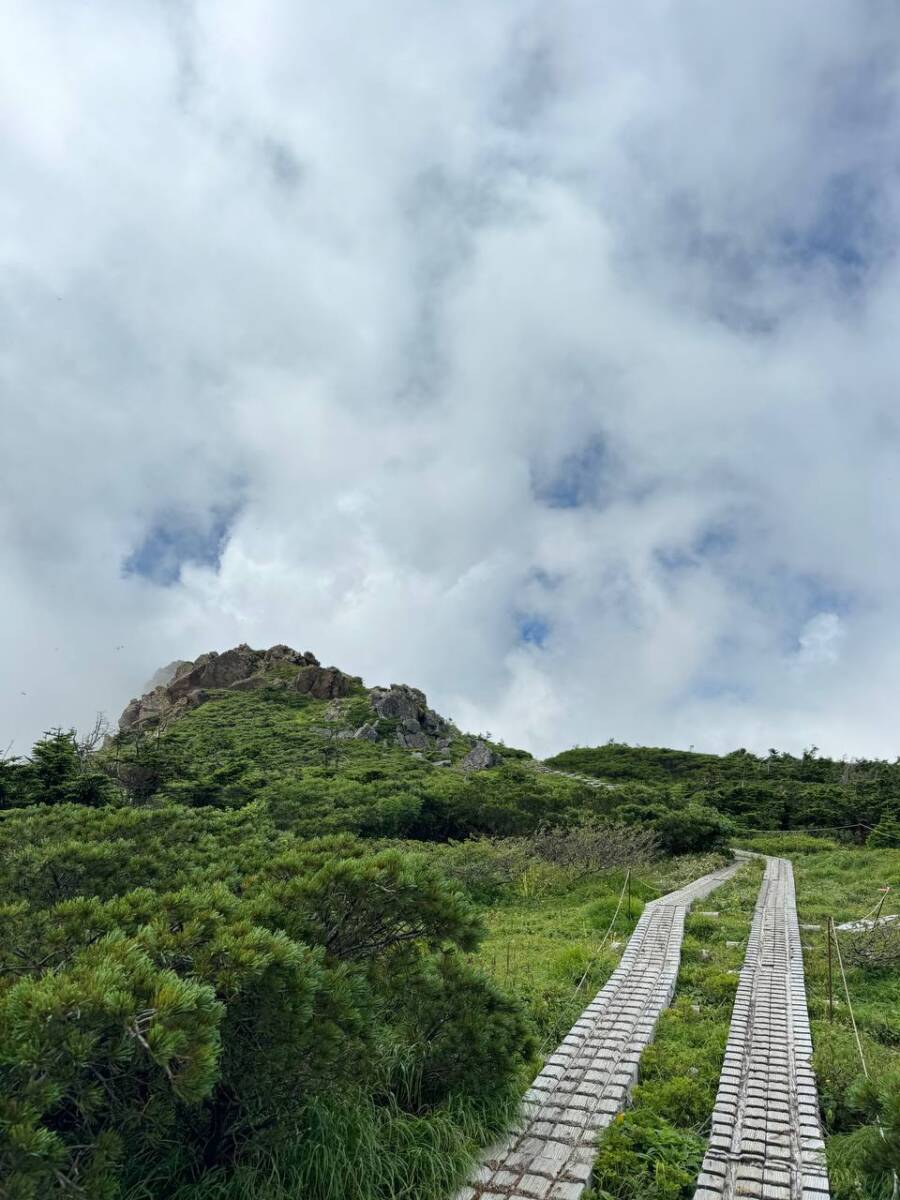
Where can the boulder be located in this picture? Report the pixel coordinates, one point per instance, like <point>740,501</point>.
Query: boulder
<point>217,670</point>
<point>413,741</point>
<point>398,703</point>
<point>368,732</point>
<point>418,724</point>
<point>323,683</point>
<point>479,758</point>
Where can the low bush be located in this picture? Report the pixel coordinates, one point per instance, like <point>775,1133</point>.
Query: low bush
<point>186,1033</point>
<point>644,1155</point>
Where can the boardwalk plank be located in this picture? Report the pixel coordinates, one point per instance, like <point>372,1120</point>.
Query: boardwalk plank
<point>588,1079</point>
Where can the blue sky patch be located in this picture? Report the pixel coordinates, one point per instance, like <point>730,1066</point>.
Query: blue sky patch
<point>714,542</point>
<point>843,231</point>
<point>533,629</point>
<point>177,538</point>
<point>577,479</point>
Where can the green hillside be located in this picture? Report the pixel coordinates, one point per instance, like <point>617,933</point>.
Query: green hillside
<point>283,935</point>
<point>778,792</point>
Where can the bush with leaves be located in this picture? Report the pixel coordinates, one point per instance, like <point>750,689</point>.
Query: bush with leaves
<point>643,1155</point>
<point>182,1033</point>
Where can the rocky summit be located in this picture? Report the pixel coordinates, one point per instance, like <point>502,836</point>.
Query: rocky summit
<point>397,715</point>
<point>241,669</point>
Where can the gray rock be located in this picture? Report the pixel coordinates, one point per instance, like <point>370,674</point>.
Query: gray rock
<point>479,758</point>
<point>413,741</point>
<point>368,732</point>
<point>322,683</point>
<point>857,926</point>
<point>398,703</point>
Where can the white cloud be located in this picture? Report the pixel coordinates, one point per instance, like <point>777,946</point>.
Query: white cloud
<point>377,282</point>
<point>820,640</point>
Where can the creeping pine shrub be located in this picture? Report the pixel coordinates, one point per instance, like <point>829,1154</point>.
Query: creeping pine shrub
<point>692,828</point>
<point>865,1161</point>
<point>886,834</point>
<point>187,1034</point>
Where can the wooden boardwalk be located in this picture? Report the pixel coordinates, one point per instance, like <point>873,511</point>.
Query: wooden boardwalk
<point>589,1077</point>
<point>766,1139</point>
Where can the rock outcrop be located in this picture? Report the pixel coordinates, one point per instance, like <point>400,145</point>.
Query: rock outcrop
<point>241,669</point>
<point>418,726</point>
<point>480,758</point>
<point>399,714</point>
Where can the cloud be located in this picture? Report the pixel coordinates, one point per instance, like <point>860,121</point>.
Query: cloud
<point>820,640</point>
<point>546,361</point>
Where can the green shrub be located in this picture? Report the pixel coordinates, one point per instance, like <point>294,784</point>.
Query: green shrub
<point>186,1033</point>
<point>643,1157</point>
<point>692,828</point>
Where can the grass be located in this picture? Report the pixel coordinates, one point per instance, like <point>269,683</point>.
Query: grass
<point>843,882</point>
<point>543,943</point>
<point>653,1151</point>
<point>353,1149</point>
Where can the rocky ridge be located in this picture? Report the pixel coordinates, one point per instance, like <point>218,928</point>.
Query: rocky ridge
<point>399,713</point>
<point>240,669</point>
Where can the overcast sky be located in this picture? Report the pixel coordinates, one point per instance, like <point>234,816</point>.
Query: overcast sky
<point>545,356</point>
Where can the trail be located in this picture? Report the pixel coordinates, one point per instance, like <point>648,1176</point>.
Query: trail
<point>587,1080</point>
<point>766,1139</point>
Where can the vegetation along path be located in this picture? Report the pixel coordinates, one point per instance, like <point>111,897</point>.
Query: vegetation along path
<point>587,1081</point>
<point>766,1140</point>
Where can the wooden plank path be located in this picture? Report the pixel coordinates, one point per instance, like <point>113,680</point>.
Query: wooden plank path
<point>766,1139</point>
<point>549,1156</point>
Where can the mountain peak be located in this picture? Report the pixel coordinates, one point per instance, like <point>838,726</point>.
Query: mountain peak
<point>183,685</point>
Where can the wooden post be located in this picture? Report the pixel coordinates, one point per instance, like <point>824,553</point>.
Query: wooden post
<point>628,885</point>
<point>830,976</point>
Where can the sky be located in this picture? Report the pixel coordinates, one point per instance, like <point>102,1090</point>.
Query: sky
<point>545,357</point>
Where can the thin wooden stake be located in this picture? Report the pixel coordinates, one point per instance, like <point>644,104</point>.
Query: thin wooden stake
<point>829,927</point>
<point>628,882</point>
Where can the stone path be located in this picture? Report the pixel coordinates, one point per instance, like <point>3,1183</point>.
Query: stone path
<point>588,1079</point>
<point>589,780</point>
<point>766,1140</point>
